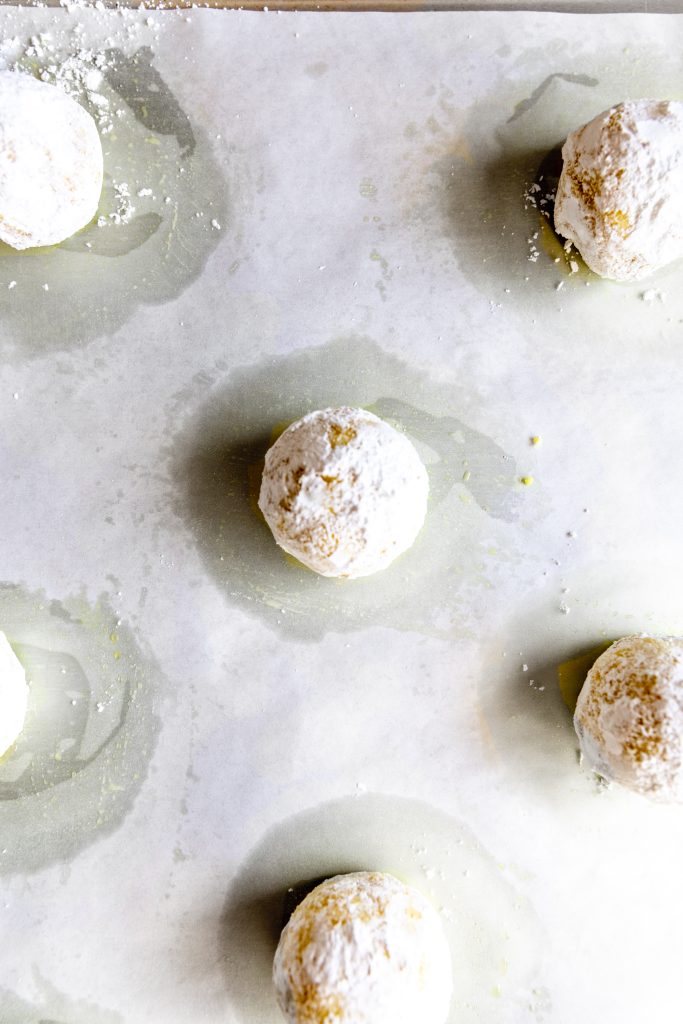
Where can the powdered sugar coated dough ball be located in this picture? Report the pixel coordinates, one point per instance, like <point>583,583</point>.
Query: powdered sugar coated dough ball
<point>13,695</point>
<point>363,948</point>
<point>629,716</point>
<point>344,492</point>
<point>50,163</point>
<point>620,195</point>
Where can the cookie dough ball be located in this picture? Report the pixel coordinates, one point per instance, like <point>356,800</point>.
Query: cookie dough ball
<point>629,716</point>
<point>50,163</point>
<point>363,949</point>
<point>13,696</point>
<point>620,195</point>
<point>344,492</point>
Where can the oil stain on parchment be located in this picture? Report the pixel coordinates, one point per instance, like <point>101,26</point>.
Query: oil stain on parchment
<point>468,171</point>
<point>525,105</point>
<point>164,205</point>
<point>90,730</point>
<point>216,460</point>
<point>473,184</point>
<point>532,671</point>
<point>52,1007</point>
<point>493,933</point>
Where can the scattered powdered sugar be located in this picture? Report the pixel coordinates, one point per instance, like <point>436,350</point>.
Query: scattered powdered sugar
<point>59,56</point>
<point>79,72</point>
<point>124,210</point>
<point>156,168</point>
<point>540,195</point>
<point>651,294</point>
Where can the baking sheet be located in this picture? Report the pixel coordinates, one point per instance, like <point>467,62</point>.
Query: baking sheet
<point>326,210</point>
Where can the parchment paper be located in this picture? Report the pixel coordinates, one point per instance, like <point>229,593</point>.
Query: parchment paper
<point>330,209</point>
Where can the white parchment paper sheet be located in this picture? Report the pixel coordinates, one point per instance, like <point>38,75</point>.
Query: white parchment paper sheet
<point>329,208</point>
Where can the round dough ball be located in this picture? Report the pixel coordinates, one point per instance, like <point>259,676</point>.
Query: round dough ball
<point>50,163</point>
<point>344,492</point>
<point>13,695</point>
<point>363,949</point>
<point>620,195</point>
<point>629,716</point>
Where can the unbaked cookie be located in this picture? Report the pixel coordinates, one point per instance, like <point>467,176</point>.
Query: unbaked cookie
<point>620,195</point>
<point>363,948</point>
<point>50,163</point>
<point>344,492</point>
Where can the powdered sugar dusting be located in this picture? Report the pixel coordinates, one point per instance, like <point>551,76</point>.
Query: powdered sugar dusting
<point>80,71</point>
<point>50,163</point>
<point>620,195</point>
<point>363,948</point>
<point>629,716</point>
<point>344,492</point>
